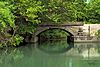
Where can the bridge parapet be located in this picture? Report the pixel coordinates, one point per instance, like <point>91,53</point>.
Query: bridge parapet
<point>61,25</point>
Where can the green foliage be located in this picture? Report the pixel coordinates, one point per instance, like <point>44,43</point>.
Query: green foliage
<point>7,21</point>
<point>60,11</point>
<point>93,12</point>
<point>15,40</point>
<point>11,41</point>
<point>98,33</point>
<point>57,11</point>
<point>76,10</point>
<point>26,28</point>
<point>6,16</point>
<point>29,9</point>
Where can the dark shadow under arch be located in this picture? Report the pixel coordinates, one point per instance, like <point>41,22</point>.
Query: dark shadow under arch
<point>70,38</point>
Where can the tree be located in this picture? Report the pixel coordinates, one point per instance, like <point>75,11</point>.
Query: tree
<point>6,16</point>
<point>29,9</point>
<point>6,23</point>
<point>57,11</point>
<point>93,11</point>
<point>26,13</point>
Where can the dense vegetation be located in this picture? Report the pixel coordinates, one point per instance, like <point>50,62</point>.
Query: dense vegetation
<point>54,34</point>
<point>18,17</point>
<point>98,33</point>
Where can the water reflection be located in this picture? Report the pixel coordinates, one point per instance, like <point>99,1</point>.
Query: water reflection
<point>55,46</point>
<point>9,56</point>
<point>88,49</point>
<point>81,55</point>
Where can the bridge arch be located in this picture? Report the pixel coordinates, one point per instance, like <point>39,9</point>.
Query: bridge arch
<point>70,33</point>
<point>38,32</point>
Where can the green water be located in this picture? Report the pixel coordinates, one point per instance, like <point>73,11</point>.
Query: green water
<point>52,54</point>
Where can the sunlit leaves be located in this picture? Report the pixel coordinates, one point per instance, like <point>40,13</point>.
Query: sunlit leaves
<point>97,33</point>
<point>6,17</point>
<point>93,11</point>
<point>15,40</point>
<point>7,21</point>
<point>30,9</point>
<point>56,11</point>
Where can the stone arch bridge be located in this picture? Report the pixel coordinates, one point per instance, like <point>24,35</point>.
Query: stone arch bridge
<point>72,29</point>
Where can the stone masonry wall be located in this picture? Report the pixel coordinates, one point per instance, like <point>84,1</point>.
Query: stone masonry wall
<point>93,28</point>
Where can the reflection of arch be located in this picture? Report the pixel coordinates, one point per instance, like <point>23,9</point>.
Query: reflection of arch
<point>71,45</point>
<point>68,30</point>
